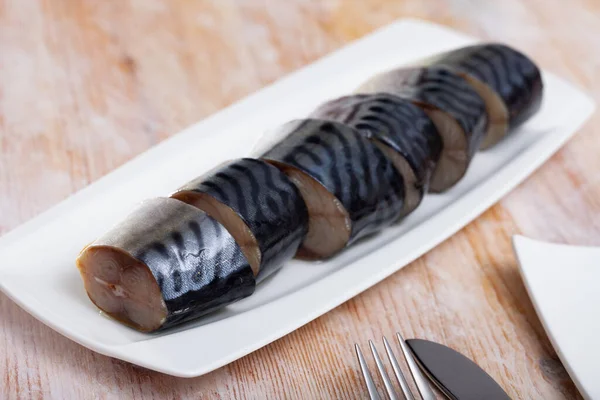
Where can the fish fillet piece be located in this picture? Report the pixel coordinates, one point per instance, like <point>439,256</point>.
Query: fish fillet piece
<point>509,82</point>
<point>165,264</point>
<point>349,186</point>
<point>400,129</point>
<point>260,207</point>
<point>456,109</point>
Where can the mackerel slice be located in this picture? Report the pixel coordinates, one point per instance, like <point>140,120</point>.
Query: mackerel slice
<point>509,82</point>
<point>165,264</point>
<point>349,186</point>
<point>260,207</point>
<point>456,109</point>
<point>400,129</point>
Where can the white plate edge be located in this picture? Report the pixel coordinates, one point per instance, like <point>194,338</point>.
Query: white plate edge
<point>521,242</point>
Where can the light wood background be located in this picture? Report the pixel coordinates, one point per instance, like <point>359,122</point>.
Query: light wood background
<point>87,85</point>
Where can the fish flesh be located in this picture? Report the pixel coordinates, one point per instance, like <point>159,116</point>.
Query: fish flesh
<point>260,207</point>
<point>400,129</point>
<point>349,186</point>
<point>509,82</point>
<point>166,263</point>
<point>457,111</point>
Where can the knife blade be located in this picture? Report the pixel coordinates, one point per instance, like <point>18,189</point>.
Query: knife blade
<point>455,375</point>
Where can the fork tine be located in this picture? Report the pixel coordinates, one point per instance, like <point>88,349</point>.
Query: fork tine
<point>366,375</point>
<point>421,382</point>
<point>384,376</point>
<point>397,371</point>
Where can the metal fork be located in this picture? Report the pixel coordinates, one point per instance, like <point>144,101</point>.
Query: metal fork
<point>420,381</point>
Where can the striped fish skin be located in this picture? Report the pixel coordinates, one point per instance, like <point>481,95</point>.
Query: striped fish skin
<point>507,71</point>
<point>441,88</point>
<point>266,200</point>
<point>197,264</point>
<point>394,121</point>
<point>349,166</point>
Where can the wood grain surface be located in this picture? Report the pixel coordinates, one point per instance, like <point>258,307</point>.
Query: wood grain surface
<point>87,85</point>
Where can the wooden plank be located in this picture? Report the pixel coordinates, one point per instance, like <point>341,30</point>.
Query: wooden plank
<point>85,86</point>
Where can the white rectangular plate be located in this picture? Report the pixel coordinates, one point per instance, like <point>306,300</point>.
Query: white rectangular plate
<point>38,270</point>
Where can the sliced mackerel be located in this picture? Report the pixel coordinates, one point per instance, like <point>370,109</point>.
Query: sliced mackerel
<point>509,82</point>
<point>258,204</point>
<point>400,129</point>
<point>457,111</point>
<point>350,187</point>
<point>165,264</point>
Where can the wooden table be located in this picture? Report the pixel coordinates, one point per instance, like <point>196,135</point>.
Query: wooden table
<point>87,85</point>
